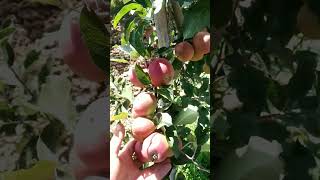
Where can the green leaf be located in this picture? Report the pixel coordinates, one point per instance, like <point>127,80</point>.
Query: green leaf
<point>187,116</point>
<point>32,56</point>
<point>258,160</point>
<point>206,147</point>
<point>55,99</point>
<point>141,75</point>
<point>136,40</point>
<point>9,53</point>
<point>120,61</point>
<point>44,153</point>
<point>220,124</point>
<point>6,32</point>
<point>7,76</point>
<point>145,3</point>
<point>129,27</point>
<point>45,71</point>
<point>294,155</point>
<point>166,93</point>
<point>191,23</point>
<point>42,170</point>
<point>303,80</point>
<point>164,120</point>
<point>96,37</point>
<point>127,93</point>
<point>6,22</point>
<point>124,10</point>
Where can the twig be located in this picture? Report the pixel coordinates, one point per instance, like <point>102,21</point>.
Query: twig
<point>298,44</point>
<point>197,164</point>
<point>28,90</point>
<point>20,80</point>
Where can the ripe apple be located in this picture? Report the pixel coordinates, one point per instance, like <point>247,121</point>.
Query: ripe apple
<point>197,56</point>
<point>184,51</point>
<point>74,51</point>
<point>308,22</point>
<point>161,72</point>
<point>138,151</point>
<point>133,78</point>
<point>201,42</point>
<point>155,148</point>
<point>142,128</point>
<point>144,104</point>
<point>91,145</point>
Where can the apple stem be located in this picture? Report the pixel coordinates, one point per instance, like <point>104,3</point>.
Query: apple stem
<point>154,157</point>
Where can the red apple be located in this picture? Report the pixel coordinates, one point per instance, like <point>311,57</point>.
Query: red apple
<point>144,104</point>
<point>161,72</point>
<point>133,78</point>
<point>184,51</point>
<point>142,128</point>
<point>75,53</point>
<point>201,42</point>
<point>90,137</point>
<point>155,148</point>
<point>137,150</point>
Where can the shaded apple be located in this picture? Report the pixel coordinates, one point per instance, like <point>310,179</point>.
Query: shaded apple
<point>201,42</point>
<point>184,51</point>
<point>74,51</point>
<point>308,22</point>
<point>91,144</point>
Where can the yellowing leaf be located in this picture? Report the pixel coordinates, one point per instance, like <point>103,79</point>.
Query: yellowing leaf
<point>44,170</point>
<point>122,115</point>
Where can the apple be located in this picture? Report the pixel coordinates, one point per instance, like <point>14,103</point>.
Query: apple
<point>144,104</point>
<point>155,148</point>
<point>133,78</point>
<point>91,144</point>
<point>201,42</point>
<point>184,51</point>
<point>74,51</point>
<point>142,128</point>
<point>308,22</point>
<point>161,72</point>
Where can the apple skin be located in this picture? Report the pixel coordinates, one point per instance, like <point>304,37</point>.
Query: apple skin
<point>91,145</point>
<point>137,150</point>
<point>197,56</point>
<point>308,22</point>
<point>75,53</point>
<point>184,51</point>
<point>161,72</point>
<point>144,105</point>
<point>133,78</point>
<point>142,128</point>
<point>155,148</point>
<point>201,42</point>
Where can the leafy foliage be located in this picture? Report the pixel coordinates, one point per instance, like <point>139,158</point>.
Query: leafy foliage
<point>266,93</point>
<point>183,106</point>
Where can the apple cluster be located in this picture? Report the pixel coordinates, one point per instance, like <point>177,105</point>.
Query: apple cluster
<point>186,51</point>
<point>151,146</point>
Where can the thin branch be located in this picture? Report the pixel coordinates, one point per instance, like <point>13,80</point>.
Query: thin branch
<point>28,90</point>
<point>20,80</point>
<point>195,163</point>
